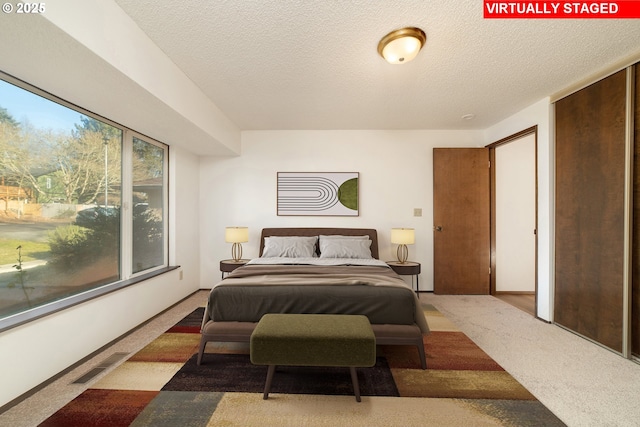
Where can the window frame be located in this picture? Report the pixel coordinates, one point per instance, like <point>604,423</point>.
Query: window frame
<point>127,278</point>
<point>129,136</point>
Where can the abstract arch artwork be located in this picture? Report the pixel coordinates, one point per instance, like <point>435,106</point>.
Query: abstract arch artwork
<point>318,193</point>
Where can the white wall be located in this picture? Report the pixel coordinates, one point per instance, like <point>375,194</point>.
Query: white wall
<point>539,114</point>
<point>32,353</point>
<point>184,215</point>
<point>396,176</point>
<point>96,57</point>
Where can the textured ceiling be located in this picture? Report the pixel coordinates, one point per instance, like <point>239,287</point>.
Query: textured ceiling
<point>313,64</point>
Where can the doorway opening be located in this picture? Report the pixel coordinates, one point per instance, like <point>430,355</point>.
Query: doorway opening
<point>514,200</point>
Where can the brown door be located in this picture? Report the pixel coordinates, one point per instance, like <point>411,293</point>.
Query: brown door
<point>461,220</point>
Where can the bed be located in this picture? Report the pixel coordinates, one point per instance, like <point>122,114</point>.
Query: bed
<point>317,271</point>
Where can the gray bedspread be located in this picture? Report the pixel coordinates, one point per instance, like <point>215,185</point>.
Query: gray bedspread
<point>376,292</point>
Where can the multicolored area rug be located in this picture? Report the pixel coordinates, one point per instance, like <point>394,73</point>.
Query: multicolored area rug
<point>162,386</point>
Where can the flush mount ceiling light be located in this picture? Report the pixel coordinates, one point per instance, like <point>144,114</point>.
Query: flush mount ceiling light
<point>402,45</point>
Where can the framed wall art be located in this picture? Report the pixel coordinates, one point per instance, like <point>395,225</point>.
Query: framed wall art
<point>318,193</point>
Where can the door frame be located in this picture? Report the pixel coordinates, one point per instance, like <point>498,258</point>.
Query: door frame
<point>492,196</point>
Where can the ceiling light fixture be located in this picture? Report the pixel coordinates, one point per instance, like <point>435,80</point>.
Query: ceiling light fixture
<point>402,45</point>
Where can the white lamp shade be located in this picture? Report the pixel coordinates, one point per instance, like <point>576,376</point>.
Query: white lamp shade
<point>236,234</point>
<point>403,236</point>
<point>401,50</point>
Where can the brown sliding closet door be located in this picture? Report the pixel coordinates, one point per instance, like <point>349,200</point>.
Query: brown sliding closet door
<point>590,185</point>
<point>635,293</point>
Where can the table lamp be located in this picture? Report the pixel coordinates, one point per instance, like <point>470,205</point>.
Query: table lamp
<point>403,237</point>
<point>237,236</point>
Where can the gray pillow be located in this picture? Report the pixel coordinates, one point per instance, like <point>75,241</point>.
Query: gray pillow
<point>289,246</point>
<point>345,248</point>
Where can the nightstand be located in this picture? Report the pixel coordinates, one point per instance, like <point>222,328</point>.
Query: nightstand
<point>408,268</point>
<point>228,265</point>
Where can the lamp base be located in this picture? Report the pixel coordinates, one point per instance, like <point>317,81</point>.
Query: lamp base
<point>236,252</point>
<point>402,253</point>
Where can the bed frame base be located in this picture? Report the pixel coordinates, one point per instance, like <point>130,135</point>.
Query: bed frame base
<point>241,332</point>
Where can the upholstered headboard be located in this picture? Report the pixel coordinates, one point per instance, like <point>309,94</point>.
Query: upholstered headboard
<point>372,233</point>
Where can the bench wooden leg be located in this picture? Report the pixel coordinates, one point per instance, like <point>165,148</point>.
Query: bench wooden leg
<point>201,348</point>
<point>267,385</point>
<point>354,380</point>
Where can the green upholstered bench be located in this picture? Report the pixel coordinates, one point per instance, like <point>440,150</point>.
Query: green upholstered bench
<point>313,340</point>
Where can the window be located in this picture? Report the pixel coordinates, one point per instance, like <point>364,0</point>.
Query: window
<point>82,204</point>
<point>148,205</point>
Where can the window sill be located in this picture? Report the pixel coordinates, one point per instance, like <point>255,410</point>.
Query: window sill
<point>63,304</point>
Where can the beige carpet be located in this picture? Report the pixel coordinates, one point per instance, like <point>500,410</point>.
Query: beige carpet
<point>579,381</point>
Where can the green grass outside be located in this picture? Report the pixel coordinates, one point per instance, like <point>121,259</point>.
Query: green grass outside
<point>31,251</point>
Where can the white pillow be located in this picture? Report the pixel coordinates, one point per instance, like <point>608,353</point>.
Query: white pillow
<point>345,248</point>
<point>290,246</point>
